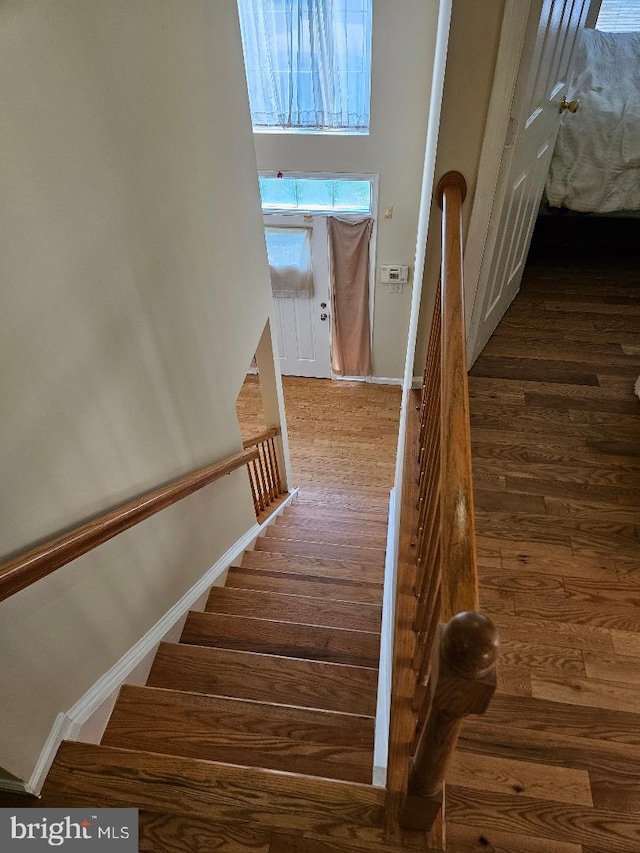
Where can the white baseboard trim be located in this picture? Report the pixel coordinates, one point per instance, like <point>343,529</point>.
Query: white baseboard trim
<point>385,672</point>
<point>374,380</point>
<point>14,786</point>
<point>385,380</point>
<point>87,719</point>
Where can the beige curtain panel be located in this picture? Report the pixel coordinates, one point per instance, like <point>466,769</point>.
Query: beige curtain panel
<point>349,255</point>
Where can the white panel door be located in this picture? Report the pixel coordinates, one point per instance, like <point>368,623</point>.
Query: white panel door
<point>552,32</point>
<point>303,324</point>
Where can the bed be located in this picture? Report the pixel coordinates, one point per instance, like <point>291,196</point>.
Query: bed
<point>595,166</point>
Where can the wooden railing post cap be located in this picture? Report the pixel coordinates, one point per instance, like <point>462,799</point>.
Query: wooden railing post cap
<point>470,643</point>
<point>451,179</point>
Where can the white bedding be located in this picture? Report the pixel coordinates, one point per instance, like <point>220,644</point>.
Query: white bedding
<point>596,162</point>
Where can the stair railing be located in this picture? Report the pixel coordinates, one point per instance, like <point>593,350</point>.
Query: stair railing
<point>455,645</point>
<point>32,565</point>
<point>264,473</point>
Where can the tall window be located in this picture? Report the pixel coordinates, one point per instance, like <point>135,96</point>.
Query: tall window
<point>308,63</point>
<point>619,16</point>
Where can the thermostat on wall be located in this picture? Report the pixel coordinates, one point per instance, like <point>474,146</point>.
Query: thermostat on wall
<point>391,273</point>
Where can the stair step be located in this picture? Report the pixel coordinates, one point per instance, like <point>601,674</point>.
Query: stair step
<point>361,493</point>
<point>101,776</point>
<point>297,547</point>
<point>313,566</point>
<point>167,833</point>
<point>236,731</point>
<point>331,534</point>
<point>356,648</point>
<point>294,608</point>
<point>313,521</point>
<point>308,510</point>
<point>266,678</point>
<point>302,584</point>
<point>337,503</point>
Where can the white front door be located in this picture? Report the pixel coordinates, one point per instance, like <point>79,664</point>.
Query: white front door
<point>303,324</point>
<point>552,31</point>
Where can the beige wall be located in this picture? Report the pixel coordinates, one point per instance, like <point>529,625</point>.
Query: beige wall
<point>131,244</point>
<point>403,49</point>
<point>473,48</point>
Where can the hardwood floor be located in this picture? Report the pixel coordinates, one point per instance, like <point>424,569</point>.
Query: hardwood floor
<point>554,766</point>
<point>340,433</point>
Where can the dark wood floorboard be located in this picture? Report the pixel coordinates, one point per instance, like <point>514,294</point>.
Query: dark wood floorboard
<point>554,765</point>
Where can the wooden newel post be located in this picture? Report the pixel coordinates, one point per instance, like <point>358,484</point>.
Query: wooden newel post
<point>466,680</point>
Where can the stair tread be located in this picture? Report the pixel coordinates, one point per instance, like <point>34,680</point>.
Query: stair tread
<point>250,675</point>
<point>321,566</point>
<point>334,522</point>
<point>332,535</point>
<point>359,648</point>
<point>167,833</point>
<point>96,775</point>
<point>301,547</point>
<point>326,512</point>
<point>294,608</point>
<point>374,503</point>
<point>235,731</point>
<point>336,490</point>
<point>305,585</point>
<point>189,713</point>
<point>377,519</point>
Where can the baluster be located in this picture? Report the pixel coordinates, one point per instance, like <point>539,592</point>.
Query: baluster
<point>259,486</point>
<point>275,457</point>
<point>276,470</point>
<point>256,505</point>
<point>263,473</point>
<point>271,483</point>
<point>467,651</point>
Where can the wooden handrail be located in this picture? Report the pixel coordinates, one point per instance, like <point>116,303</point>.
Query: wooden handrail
<point>255,440</point>
<point>463,682</point>
<point>30,566</point>
<point>455,646</point>
<point>460,581</point>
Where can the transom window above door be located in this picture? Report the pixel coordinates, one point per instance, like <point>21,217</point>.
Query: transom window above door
<point>316,194</point>
<point>308,64</point>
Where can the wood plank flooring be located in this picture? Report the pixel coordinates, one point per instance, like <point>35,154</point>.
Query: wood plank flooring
<point>340,433</point>
<point>554,765</point>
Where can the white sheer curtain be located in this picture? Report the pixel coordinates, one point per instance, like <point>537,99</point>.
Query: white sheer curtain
<point>308,62</point>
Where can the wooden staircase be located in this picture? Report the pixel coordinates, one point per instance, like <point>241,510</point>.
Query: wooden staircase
<point>256,731</point>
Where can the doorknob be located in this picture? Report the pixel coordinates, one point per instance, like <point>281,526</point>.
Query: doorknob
<point>323,304</point>
<point>323,316</point>
<point>572,106</point>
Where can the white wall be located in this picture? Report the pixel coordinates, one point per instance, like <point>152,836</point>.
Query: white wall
<point>133,292</point>
<point>473,48</point>
<point>403,49</point>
